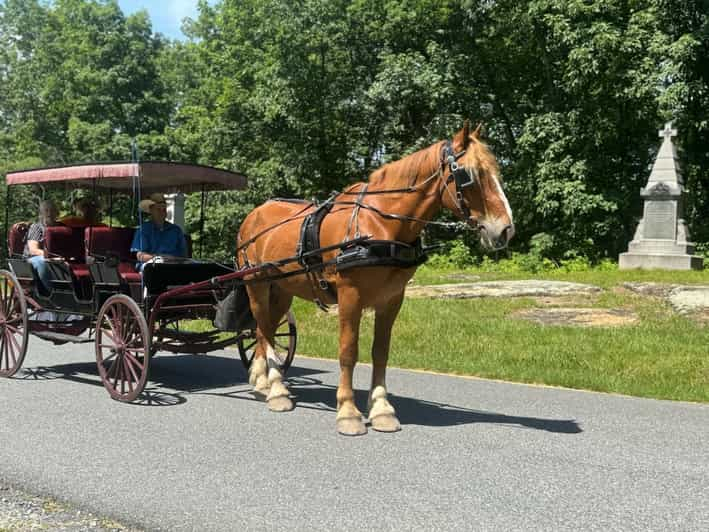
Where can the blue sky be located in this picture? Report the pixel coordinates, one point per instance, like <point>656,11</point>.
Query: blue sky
<point>166,15</point>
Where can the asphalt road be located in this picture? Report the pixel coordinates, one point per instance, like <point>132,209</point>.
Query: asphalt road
<point>200,454</point>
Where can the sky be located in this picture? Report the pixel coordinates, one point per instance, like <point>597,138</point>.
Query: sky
<point>166,15</point>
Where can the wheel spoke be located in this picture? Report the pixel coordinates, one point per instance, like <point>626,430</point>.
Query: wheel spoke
<point>105,346</point>
<point>116,372</point>
<point>112,369</point>
<point>10,351</point>
<point>108,319</point>
<point>13,340</point>
<point>109,335</point>
<point>283,347</point>
<point>129,364</point>
<point>246,348</point>
<point>130,331</point>
<point>135,362</point>
<point>3,341</point>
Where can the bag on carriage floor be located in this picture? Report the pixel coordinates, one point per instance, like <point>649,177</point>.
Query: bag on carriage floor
<point>234,313</point>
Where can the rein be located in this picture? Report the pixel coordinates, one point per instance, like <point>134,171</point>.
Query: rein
<point>458,174</point>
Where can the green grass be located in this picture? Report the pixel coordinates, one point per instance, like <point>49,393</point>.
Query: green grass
<point>663,356</point>
<point>605,279</point>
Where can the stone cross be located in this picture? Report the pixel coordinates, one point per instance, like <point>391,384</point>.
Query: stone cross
<point>668,132</point>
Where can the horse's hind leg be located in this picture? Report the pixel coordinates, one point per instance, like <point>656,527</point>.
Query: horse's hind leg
<point>382,415</point>
<point>259,295</point>
<point>278,397</point>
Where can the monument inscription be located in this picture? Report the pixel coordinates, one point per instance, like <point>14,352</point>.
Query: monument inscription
<point>660,220</point>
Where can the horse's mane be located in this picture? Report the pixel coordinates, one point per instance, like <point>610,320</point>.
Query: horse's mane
<point>423,163</point>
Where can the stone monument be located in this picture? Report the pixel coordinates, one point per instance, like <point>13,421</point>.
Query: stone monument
<point>661,239</point>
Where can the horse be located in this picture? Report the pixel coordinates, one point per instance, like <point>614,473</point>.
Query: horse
<point>398,201</point>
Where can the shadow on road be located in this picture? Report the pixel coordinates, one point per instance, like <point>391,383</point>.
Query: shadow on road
<point>208,375</point>
<point>312,393</point>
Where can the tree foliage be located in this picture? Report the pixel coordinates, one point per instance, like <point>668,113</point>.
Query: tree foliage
<point>304,97</point>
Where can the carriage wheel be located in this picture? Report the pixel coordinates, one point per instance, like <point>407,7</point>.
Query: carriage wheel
<point>285,340</point>
<point>122,342</point>
<point>13,324</point>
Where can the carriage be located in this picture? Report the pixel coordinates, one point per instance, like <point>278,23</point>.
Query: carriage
<point>97,295</point>
<point>358,249</point>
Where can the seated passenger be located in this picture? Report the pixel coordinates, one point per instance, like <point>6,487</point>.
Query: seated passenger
<point>35,250</point>
<point>157,237</point>
<point>86,211</point>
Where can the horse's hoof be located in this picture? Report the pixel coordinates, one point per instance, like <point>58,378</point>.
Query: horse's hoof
<point>280,404</point>
<point>385,423</point>
<point>351,426</point>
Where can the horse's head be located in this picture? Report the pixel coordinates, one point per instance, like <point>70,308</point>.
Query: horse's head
<point>472,188</point>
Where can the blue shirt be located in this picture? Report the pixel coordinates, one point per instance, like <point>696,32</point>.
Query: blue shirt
<point>167,240</point>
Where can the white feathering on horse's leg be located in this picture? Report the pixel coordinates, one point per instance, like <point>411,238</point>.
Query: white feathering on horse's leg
<point>257,376</point>
<point>382,415</point>
<point>278,397</point>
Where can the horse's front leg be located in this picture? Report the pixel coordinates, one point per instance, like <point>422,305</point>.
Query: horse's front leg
<point>382,415</point>
<point>349,419</point>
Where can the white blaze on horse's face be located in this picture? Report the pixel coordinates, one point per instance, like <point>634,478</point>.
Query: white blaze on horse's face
<point>497,231</point>
<point>485,198</point>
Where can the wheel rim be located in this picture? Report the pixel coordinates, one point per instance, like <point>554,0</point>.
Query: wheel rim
<point>121,346</point>
<point>285,343</point>
<point>13,325</point>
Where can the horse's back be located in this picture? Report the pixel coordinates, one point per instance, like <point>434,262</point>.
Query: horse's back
<point>272,228</point>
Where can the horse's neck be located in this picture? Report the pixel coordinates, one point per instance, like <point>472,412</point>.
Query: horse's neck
<point>421,203</point>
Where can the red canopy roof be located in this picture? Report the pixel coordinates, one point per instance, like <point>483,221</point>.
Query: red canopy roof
<point>155,176</point>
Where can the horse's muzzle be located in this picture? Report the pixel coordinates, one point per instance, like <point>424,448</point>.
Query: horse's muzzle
<point>496,236</point>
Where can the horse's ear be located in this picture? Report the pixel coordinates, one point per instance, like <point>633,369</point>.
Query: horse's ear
<point>462,138</point>
<point>478,131</point>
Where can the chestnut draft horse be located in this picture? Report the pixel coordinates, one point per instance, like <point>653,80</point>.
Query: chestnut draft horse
<point>398,201</point>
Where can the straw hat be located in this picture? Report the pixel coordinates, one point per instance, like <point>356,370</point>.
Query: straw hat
<point>150,201</point>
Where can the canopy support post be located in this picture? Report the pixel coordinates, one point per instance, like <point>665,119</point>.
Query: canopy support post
<point>201,222</point>
<point>7,216</point>
<point>110,207</point>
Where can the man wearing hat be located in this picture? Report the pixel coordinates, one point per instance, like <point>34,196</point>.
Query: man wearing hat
<point>157,237</point>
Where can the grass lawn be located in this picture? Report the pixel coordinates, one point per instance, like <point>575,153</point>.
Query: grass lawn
<point>664,355</point>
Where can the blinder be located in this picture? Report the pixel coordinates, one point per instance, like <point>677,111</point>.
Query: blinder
<point>460,176</point>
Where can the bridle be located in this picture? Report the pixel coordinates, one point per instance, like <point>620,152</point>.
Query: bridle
<point>462,177</point>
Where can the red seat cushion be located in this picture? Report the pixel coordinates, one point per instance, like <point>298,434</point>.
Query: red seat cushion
<point>102,241</point>
<point>79,270</point>
<point>67,242</point>
<point>128,273</point>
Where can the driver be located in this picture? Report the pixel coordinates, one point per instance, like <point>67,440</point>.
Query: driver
<point>157,237</point>
<point>35,250</point>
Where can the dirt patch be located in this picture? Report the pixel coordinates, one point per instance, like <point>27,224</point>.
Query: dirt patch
<point>566,301</point>
<point>584,317</point>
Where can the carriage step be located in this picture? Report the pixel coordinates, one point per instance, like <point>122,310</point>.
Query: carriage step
<point>61,337</point>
